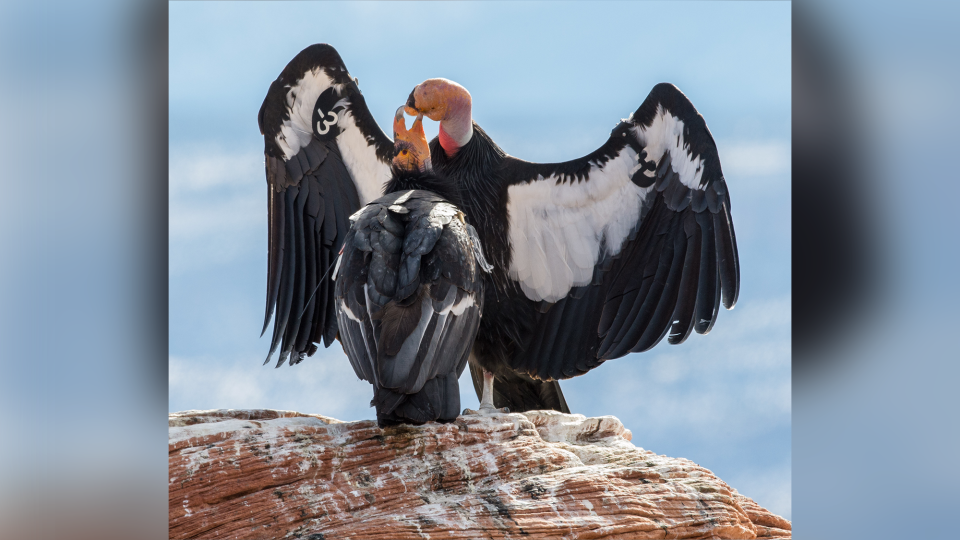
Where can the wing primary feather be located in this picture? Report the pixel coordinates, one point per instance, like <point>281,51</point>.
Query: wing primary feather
<point>318,287</point>
<point>640,319</point>
<point>630,311</point>
<point>323,289</point>
<point>307,314</point>
<point>620,310</point>
<point>642,314</point>
<point>277,220</point>
<point>687,300</point>
<point>660,321</point>
<point>330,328</point>
<point>285,292</point>
<point>340,220</point>
<point>330,221</point>
<point>271,248</point>
<point>707,291</point>
<point>716,305</point>
<point>627,281</point>
<point>299,291</point>
<point>635,314</point>
<point>729,258</point>
<point>344,204</point>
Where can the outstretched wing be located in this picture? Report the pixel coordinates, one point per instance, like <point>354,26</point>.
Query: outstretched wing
<point>636,239</point>
<point>325,156</point>
<point>410,294</point>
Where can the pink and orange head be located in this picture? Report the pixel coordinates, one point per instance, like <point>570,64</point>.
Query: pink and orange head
<point>449,103</point>
<point>437,99</point>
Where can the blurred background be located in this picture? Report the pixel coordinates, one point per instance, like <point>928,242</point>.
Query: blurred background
<point>133,235</point>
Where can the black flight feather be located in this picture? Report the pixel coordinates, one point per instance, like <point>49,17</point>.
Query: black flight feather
<point>683,316</point>
<point>707,293</point>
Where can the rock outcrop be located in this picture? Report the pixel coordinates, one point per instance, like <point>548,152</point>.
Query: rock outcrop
<point>282,474</point>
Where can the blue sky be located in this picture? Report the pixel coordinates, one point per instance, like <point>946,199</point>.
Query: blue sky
<point>548,82</point>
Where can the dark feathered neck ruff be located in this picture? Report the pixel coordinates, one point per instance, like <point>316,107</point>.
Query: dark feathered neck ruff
<point>427,181</point>
<point>479,157</point>
<point>475,171</point>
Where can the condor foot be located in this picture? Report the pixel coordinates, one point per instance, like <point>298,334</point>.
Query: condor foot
<point>486,411</point>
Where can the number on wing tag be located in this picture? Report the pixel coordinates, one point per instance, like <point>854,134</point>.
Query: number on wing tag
<point>326,115</point>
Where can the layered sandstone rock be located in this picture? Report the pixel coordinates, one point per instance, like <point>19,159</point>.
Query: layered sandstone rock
<point>281,474</point>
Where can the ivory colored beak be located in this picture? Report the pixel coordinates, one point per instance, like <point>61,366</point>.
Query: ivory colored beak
<point>399,125</point>
<point>411,105</point>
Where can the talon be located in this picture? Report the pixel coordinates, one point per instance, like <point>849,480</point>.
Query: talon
<point>505,410</point>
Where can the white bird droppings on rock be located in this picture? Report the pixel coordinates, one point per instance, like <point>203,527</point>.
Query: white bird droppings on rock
<point>541,474</point>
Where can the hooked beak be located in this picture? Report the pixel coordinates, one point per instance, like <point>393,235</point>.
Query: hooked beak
<point>435,98</point>
<point>411,106</point>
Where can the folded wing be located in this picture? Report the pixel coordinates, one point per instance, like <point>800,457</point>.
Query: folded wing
<point>410,300</point>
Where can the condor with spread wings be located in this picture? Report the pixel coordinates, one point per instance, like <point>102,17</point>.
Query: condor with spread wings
<point>593,258</point>
<point>325,157</point>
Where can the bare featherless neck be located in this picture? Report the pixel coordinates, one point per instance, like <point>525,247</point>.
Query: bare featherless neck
<point>456,129</point>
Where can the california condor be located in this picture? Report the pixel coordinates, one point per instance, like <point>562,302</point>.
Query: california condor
<point>408,290</point>
<point>593,258</point>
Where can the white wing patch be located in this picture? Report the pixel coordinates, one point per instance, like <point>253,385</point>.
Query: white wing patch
<point>665,134</point>
<point>296,131</point>
<point>360,156</point>
<point>556,230</point>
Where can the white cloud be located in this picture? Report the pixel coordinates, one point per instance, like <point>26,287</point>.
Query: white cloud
<point>324,384</point>
<point>731,384</point>
<point>754,158</point>
<point>197,217</point>
<point>217,206</point>
<point>201,169</point>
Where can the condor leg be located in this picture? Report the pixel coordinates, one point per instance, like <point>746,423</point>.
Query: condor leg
<point>486,401</point>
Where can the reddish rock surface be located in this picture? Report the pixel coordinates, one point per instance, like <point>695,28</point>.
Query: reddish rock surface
<point>282,474</point>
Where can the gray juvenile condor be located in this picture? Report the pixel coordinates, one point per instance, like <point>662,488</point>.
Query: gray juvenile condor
<point>409,293</point>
